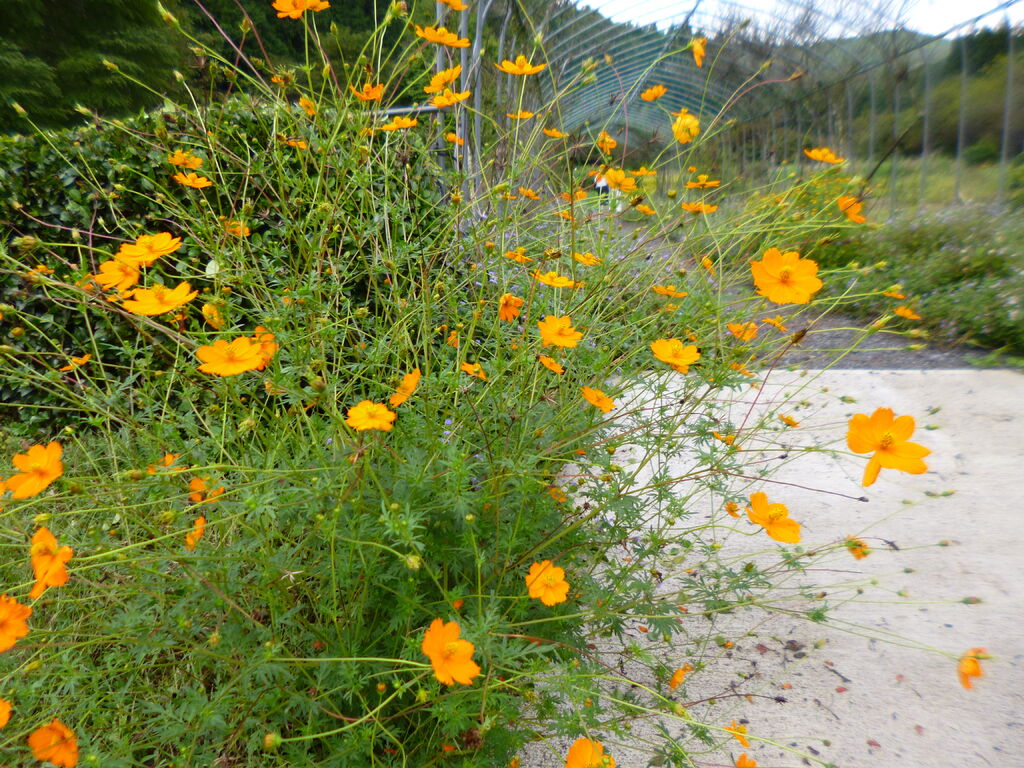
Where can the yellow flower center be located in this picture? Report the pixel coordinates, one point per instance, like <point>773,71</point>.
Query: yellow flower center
<point>886,441</point>
<point>784,275</point>
<point>451,648</point>
<point>550,580</point>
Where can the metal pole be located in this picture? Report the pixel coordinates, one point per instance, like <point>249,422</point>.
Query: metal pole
<point>925,133</point>
<point>849,122</point>
<point>1004,140</point>
<point>893,177</point>
<point>872,121</point>
<point>961,131</point>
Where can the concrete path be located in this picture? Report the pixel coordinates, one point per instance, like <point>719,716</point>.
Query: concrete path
<point>952,579</point>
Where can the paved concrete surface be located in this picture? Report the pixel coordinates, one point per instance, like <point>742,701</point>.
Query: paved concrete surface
<point>852,699</point>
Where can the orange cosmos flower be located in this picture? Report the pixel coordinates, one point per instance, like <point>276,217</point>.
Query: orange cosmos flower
<point>896,292</point>
<point>686,127</point>
<point>775,520</point>
<point>857,547</point>
<point>159,299</point>
<point>785,278</point>
<point>823,155</point>
<point>598,399</point>
<point>673,352</point>
<point>230,358</point>
<point>527,192</point>
<point>907,313</point>
<point>605,142</point>
<point>455,5</point>
<point>405,388</point>
<point>453,339</point>
<point>448,97</point>
<point>558,495</point>
<point>441,36</point>
<point>399,123</point>
<point>739,732</point>
<point>732,508</point>
<point>587,259</point>
<point>669,290</point>
<point>745,762</point>
<point>579,194</point>
<point>54,743</point>
<point>450,656</point>
<point>619,179</point>
<point>646,210</point>
<point>147,249</point>
<point>698,47</point>
<point>888,440</point>
<point>308,106</point>
<point>852,207</point>
<point>509,307</point>
<point>698,207</point>
<point>293,9</point>
<point>236,228</point>
<point>585,753</point>
<point>554,133</point>
<point>369,415</point>
<point>165,462</point>
<point>185,159</point>
<point>369,92</point>
<point>76,362</point>
<point>520,66</point>
<point>5,712</point>
<point>969,666</point>
<point>654,93</point>
<point>678,677</point>
<point>116,275</point>
<point>703,182</point>
<point>37,468</point>
<point>643,170</point>
<point>454,138</point>
<point>743,331</point>
<point>554,279</point>
<point>551,364</point>
<point>213,316</point>
<point>297,143</point>
<point>789,421</point>
<point>474,369</point>
<point>200,491</point>
<point>743,371</point>
<point>192,180</point>
<point>708,264</point>
<point>192,537</point>
<point>547,583</point>
<point>522,114</point>
<point>775,322</point>
<point>442,78</point>
<point>48,562</point>
<point>12,622</point>
<point>558,332</point>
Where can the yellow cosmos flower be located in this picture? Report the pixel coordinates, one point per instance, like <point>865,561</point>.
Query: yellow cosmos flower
<point>598,399</point>
<point>698,46</point>
<point>887,438</point>
<point>116,275</point>
<point>643,170</point>
<point>147,249</point>
<point>823,155</point>
<point>509,307</point>
<point>703,182</point>
<point>551,364</point>
<point>679,676</point>
<point>743,331</point>
<point>307,105</point>
<point>745,762</point>
<point>76,362</point>
<point>646,210</point>
<point>554,279</point>
<point>554,133</point>
<point>669,290</point>
<point>192,537</point>
<point>192,180</point>
<point>605,142</point>
<point>48,562</point>
<point>448,98</point>
<point>969,666</point>
<point>54,743</point>
<point>455,5</point>
<point>857,547</point>
<point>586,753</point>
<point>450,656</point>
<point>474,369</point>
<point>406,387</point>
<point>37,468</point>
<point>213,316</point>
<point>686,127</point>
<point>369,415</point>
<point>518,255</point>
<point>654,93</point>
<point>230,358</point>
<point>5,712</point>
<point>789,421</point>
<point>369,92</point>
<point>547,583</point>
<point>441,36</point>
<point>785,278</point>
<point>399,123</point>
<point>698,207</point>
<point>529,193</point>
<point>739,732</point>
<point>620,180</point>
<point>442,78</point>
<point>453,138</point>
<point>293,9</point>
<point>907,313</point>
<point>159,299</point>
<point>185,159</point>
<point>587,259</point>
<point>558,332</point>
<point>852,208</point>
<point>673,352</point>
<point>775,322</point>
<point>521,66</point>
<point>775,520</point>
<point>522,114</point>
<point>236,228</point>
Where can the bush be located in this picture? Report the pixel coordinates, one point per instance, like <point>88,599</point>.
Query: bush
<point>982,151</point>
<point>378,423</point>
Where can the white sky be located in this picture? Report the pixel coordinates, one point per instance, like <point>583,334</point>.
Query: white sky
<point>928,16</point>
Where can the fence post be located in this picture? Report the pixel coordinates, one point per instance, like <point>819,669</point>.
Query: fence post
<point>1004,141</point>
<point>961,130</point>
